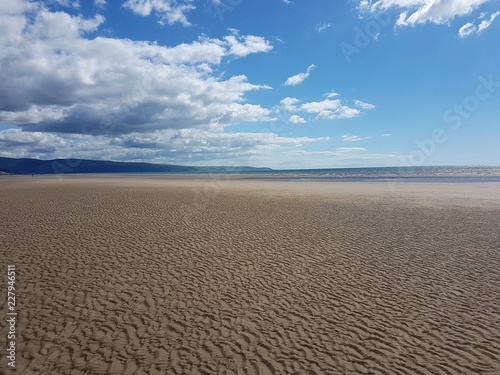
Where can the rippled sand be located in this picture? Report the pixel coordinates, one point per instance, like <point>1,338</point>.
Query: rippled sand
<point>157,275</point>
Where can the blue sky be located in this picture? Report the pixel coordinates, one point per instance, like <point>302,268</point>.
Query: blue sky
<point>282,84</point>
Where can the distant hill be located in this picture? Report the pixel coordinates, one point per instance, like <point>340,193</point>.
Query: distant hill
<point>59,166</point>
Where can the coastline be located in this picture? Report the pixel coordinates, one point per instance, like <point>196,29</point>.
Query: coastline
<point>481,194</point>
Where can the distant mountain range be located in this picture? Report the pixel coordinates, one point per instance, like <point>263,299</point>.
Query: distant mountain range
<point>60,166</point>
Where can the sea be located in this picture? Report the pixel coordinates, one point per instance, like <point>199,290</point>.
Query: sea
<point>439,174</point>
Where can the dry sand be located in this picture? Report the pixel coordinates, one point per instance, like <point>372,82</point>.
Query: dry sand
<point>162,275</point>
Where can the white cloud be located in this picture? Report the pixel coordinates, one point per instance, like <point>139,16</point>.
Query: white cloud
<point>363,105</point>
<point>386,135</point>
<point>331,94</point>
<point>183,146</point>
<point>413,12</point>
<point>288,104</point>
<point>55,78</point>
<point>30,141</point>
<point>467,29</point>
<point>100,3</point>
<point>295,119</point>
<point>245,45</point>
<point>299,78</point>
<point>327,109</point>
<point>322,26</point>
<point>330,109</point>
<point>350,138</point>
<point>325,115</point>
<point>350,149</point>
<point>486,23</point>
<point>345,112</point>
<point>315,107</point>
<point>470,28</point>
<point>171,11</point>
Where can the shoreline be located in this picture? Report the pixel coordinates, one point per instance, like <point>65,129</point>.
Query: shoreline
<point>471,194</point>
<point>466,179</point>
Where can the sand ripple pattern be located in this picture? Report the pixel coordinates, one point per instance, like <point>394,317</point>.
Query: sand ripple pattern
<point>116,280</point>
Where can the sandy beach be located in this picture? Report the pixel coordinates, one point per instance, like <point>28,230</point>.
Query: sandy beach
<point>230,275</point>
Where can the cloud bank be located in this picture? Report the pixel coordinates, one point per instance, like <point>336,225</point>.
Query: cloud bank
<point>56,76</point>
<point>69,92</point>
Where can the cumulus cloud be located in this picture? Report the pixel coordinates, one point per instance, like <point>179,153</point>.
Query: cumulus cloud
<point>245,45</point>
<point>315,107</point>
<point>56,77</point>
<point>30,142</point>
<point>327,109</point>
<point>299,78</point>
<point>76,94</point>
<point>295,119</point>
<point>198,141</point>
<point>170,11</point>
<point>288,104</point>
<point>413,12</point>
<point>470,27</point>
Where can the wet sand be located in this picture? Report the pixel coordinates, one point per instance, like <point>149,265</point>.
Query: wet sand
<point>228,275</point>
